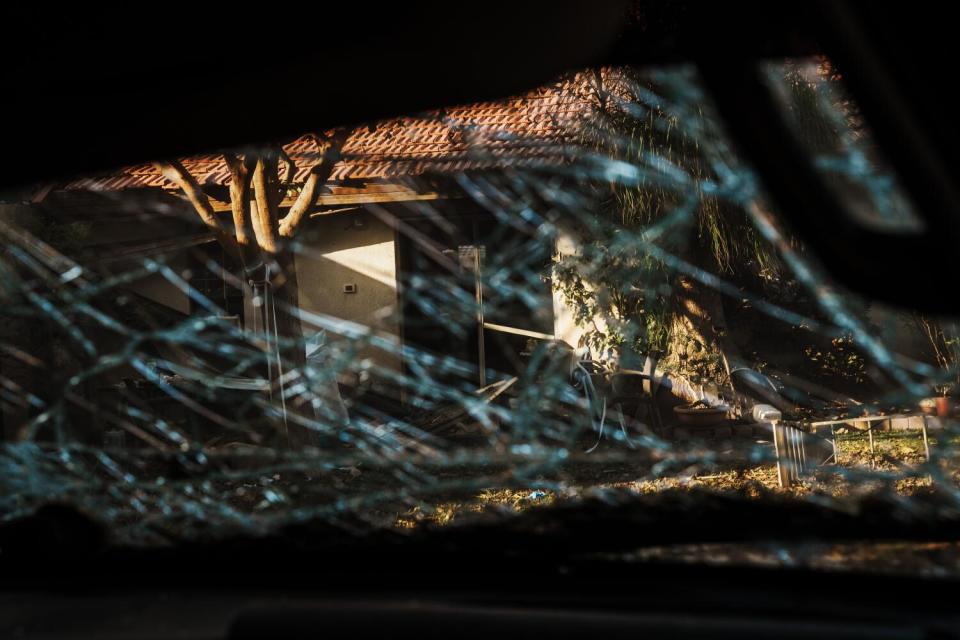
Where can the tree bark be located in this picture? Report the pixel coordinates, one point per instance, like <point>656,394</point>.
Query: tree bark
<point>701,307</point>
<point>700,317</point>
<point>240,176</point>
<point>264,215</point>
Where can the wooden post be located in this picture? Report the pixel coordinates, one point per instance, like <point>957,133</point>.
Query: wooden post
<point>833,439</point>
<point>788,448</point>
<point>798,446</point>
<point>478,285</point>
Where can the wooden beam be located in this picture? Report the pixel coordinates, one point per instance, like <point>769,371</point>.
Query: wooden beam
<point>519,332</point>
<point>868,419</point>
<point>334,199</point>
<point>370,198</point>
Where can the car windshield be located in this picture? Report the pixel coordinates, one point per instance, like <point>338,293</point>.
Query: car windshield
<point>577,294</point>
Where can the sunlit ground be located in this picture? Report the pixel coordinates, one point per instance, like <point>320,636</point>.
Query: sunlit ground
<point>901,455</point>
<point>894,453</point>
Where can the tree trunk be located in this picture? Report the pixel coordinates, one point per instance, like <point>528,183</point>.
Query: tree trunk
<point>270,261</point>
<point>287,303</point>
<point>700,318</point>
<point>701,337</point>
<point>702,324</point>
<point>282,321</point>
<point>285,328</point>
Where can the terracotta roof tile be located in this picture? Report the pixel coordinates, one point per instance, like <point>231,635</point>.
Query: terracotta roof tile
<point>531,129</point>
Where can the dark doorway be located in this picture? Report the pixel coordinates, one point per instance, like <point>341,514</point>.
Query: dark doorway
<point>451,309</point>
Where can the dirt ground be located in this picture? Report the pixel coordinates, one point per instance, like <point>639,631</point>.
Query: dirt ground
<point>895,464</point>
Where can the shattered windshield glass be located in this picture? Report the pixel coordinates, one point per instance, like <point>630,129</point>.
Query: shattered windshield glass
<point>578,292</point>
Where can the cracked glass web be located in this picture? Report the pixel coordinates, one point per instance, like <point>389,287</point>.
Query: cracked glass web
<point>504,317</point>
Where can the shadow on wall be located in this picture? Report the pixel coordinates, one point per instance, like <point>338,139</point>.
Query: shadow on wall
<point>347,271</point>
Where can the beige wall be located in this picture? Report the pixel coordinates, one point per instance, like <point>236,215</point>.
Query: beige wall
<point>351,248</point>
<point>565,326</point>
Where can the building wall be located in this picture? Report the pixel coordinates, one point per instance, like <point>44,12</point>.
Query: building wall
<point>353,248</point>
<point>565,327</point>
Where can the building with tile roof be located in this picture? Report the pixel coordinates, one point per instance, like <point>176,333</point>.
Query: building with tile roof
<point>356,257</point>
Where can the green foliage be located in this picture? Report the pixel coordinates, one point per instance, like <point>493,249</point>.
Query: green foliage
<point>622,296</point>
<point>622,299</point>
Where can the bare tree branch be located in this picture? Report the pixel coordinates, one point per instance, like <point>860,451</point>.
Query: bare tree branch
<point>240,175</point>
<point>330,150</point>
<point>176,173</point>
<point>265,215</point>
